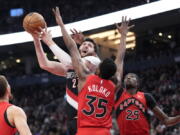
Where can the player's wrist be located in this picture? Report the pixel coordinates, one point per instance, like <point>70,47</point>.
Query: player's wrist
<point>52,46</point>
<point>50,43</point>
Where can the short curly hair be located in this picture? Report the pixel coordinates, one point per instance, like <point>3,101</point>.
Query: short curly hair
<point>107,68</point>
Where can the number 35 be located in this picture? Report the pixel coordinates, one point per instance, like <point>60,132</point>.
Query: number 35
<point>101,105</point>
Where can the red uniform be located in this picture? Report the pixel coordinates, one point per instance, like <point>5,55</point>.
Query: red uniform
<point>131,111</point>
<point>5,127</point>
<point>96,101</point>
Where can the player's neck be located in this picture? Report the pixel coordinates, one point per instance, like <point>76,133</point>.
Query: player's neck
<point>4,99</point>
<point>132,91</point>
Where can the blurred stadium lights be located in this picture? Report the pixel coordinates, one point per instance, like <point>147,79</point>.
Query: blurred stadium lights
<point>111,34</point>
<point>16,12</point>
<point>54,57</point>
<point>18,60</point>
<point>160,34</point>
<point>169,36</point>
<point>111,38</point>
<point>99,21</point>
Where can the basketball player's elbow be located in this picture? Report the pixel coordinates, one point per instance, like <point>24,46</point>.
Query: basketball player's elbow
<point>43,66</point>
<point>46,67</point>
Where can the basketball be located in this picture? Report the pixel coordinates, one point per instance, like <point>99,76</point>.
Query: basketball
<point>33,21</point>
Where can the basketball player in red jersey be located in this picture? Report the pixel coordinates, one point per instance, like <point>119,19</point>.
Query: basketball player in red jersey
<point>12,118</point>
<point>96,92</point>
<point>64,68</point>
<point>131,109</point>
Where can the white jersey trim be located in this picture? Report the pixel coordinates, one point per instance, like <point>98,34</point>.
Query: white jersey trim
<point>72,102</point>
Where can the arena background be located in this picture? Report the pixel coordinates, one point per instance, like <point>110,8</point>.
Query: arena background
<point>153,53</point>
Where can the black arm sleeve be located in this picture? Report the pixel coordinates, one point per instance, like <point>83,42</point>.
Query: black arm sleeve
<point>118,95</point>
<point>151,102</point>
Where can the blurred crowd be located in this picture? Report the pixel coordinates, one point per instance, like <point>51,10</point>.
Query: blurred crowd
<point>44,106</point>
<point>44,103</point>
<point>164,84</point>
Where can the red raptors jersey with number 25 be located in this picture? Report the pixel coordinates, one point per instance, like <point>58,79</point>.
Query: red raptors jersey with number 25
<point>96,101</point>
<point>131,111</point>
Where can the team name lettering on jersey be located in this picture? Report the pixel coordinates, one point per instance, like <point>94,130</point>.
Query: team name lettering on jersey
<point>99,89</point>
<point>131,101</point>
<point>71,75</point>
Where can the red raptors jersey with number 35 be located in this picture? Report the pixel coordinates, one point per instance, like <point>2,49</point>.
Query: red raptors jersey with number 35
<point>96,101</point>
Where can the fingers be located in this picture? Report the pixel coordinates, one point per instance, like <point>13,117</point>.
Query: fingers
<point>80,32</point>
<point>46,27</point>
<point>41,29</point>
<point>130,27</point>
<point>124,27</point>
<point>125,19</point>
<point>72,31</point>
<point>122,19</point>
<point>117,26</point>
<point>36,34</point>
<point>56,11</point>
<point>49,33</point>
<point>75,31</point>
<point>128,21</point>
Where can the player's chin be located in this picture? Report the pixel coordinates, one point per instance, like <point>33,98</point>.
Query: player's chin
<point>92,70</point>
<point>129,86</point>
<point>83,54</point>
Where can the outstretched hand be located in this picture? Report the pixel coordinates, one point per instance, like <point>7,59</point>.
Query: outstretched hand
<point>124,27</point>
<point>77,36</point>
<point>58,17</point>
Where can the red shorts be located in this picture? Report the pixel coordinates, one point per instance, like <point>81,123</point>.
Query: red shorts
<point>93,131</point>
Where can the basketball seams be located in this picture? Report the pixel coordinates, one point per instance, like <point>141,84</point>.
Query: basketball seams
<point>32,21</point>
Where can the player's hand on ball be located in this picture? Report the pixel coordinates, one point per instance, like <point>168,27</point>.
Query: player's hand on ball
<point>33,21</point>
<point>46,36</point>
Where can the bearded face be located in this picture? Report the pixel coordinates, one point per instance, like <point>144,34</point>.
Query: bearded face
<point>131,81</point>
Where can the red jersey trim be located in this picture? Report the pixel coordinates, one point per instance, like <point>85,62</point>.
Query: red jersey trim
<point>6,119</point>
<point>71,94</point>
<point>72,99</point>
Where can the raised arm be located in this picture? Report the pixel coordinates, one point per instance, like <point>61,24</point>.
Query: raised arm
<point>168,121</point>
<point>77,62</point>
<point>123,30</point>
<point>62,56</point>
<point>53,67</point>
